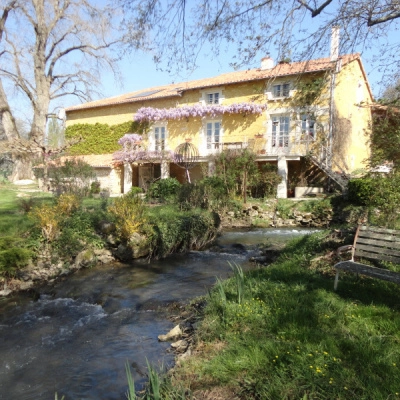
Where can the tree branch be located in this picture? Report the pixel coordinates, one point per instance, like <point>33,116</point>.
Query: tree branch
<point>386,18</point>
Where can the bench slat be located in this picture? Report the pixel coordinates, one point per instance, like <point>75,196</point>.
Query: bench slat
<point>380,237</point>
<point>380,244</point>
<point>374,272</point>
<point>378,257</point>
<point>365,249</point>
<point>377,229</point>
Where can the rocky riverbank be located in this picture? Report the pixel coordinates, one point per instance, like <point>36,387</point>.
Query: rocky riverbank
<point>250,215</point>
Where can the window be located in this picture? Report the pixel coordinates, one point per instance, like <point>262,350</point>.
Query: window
<point>281,90</point>
<point>212,98</point>
<point>280,131</point>
<point>213,135</point>
<point>159,138</point>
<point>307,127</point>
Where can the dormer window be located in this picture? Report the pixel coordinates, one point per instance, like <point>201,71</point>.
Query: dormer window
<point>281,90</point>
<point>212,98</point>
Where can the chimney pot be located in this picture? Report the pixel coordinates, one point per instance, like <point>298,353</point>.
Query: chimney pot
<point>267,63</point>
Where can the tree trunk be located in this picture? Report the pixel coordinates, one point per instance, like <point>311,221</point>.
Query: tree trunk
<point>22,168</point>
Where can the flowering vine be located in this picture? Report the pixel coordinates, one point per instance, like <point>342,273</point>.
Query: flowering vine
<point>133,151</point>
<point>197,110</point>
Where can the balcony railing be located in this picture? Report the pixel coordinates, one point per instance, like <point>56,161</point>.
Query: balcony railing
<point>268,145</point>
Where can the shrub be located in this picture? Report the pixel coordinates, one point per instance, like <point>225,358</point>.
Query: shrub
<point>174,231</point>
<point>12,255</point>
<point>26,204</point>
<point>95,187</point>
<point>12,259</point>
<point>129,213</point>
<point>265,182</point>
<point>210,193</point>
<point>68,203</point>
<point>77,232</point>
<point>47,217</point>
<point>74,176</point>
<point>360,189</point>
<point>381,193</point>
<point>164,189</point>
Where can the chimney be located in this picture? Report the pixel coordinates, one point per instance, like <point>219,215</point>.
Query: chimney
<point>267,63</point>
<point>334,43</point>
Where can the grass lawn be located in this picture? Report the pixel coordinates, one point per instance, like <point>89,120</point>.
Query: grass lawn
<point>281,332</point>
<point>13,202</point>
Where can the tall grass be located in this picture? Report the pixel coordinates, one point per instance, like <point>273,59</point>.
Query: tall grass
<point>130,395</point>
<point>293,337</point>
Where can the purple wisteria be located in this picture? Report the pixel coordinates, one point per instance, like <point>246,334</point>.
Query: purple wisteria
<point>198,110</point>
<point>133,151</point>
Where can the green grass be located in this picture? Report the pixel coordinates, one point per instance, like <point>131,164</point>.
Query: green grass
<point>13,219</point>
<point>293,337</point>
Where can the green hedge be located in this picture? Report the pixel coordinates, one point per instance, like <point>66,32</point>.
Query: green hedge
<point>100,138</point>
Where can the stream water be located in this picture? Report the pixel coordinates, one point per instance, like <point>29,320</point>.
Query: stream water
<point>77,336</point>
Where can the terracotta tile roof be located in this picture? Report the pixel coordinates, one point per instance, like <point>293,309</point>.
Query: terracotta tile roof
<point>280,70</point>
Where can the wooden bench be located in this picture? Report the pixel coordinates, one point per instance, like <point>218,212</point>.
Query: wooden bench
<point>371,243</point>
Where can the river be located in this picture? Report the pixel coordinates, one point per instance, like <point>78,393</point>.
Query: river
<point>77,335</point>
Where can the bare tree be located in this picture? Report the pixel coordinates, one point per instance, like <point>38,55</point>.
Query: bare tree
<point>298,29</point>
<point>48,49</point>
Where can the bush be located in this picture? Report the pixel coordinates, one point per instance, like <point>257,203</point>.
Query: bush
<point>381,193</point>
<point>164,190</point>
<point>360,189</point>
<point>74,176</point>
<point>12,255</point>
<point>26,204</point>
<point>129,213</point>
<point>210,194</point>
<point>77,232</point>
<point>47,217</point>
<point>265,182</point>
<point>95,187</point>
<point>68,203</point>
<point>174,231</point>
<point>50,216</point>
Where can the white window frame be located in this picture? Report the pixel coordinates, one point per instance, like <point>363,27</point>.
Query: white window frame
<point>281,125</point>
<point>279,90</point>
<point>157,143</point>
<point>307,127</point>
<point>212,133</point>
<point>212,96</point>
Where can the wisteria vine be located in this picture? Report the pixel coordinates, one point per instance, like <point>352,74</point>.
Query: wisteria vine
<point>133,151</point>
<point>198,110</point>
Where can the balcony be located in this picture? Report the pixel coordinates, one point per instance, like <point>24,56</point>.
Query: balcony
<point>268,145</point>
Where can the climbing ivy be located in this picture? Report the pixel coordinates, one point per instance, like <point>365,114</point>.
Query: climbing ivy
<point>308,91</point>
<point>100,138</point>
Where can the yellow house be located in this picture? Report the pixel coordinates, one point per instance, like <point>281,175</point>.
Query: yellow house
<point>308,118</point>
